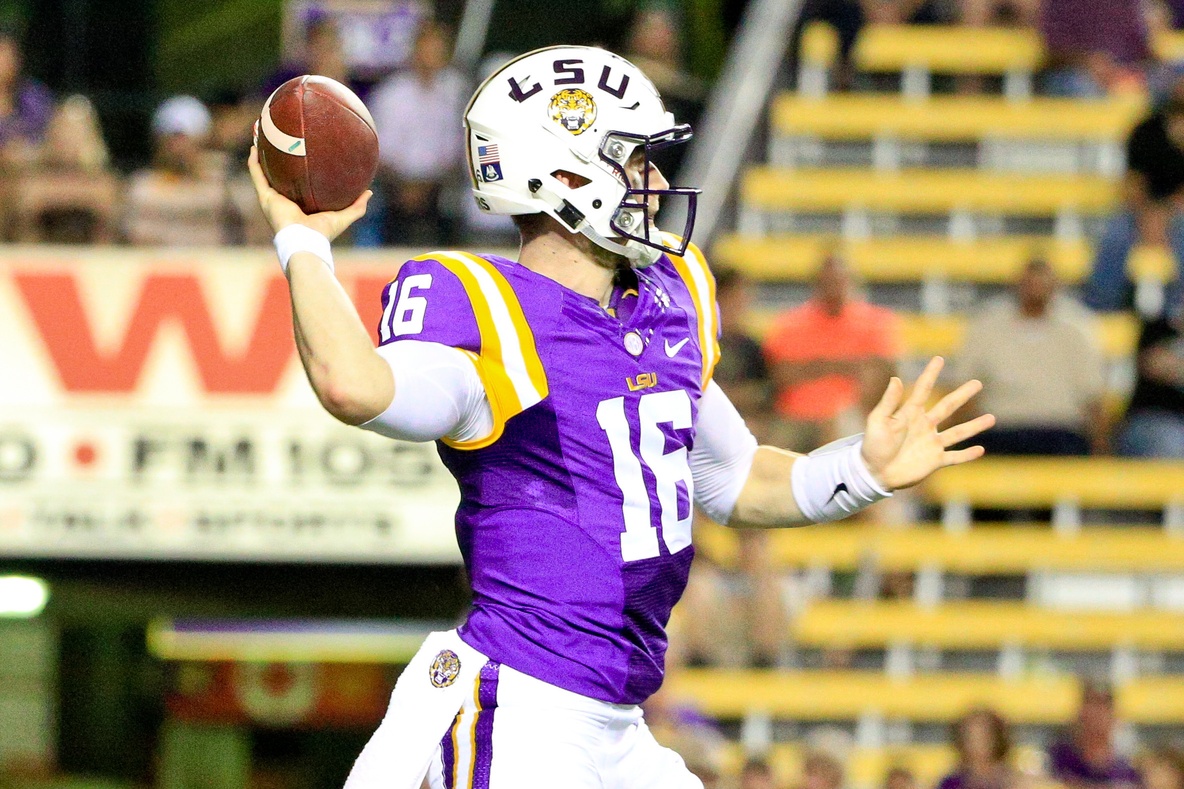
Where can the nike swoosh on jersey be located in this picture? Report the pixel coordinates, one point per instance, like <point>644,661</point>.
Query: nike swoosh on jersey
<point>671,350</point>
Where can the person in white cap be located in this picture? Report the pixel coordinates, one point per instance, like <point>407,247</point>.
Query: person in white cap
<point>177,201</point>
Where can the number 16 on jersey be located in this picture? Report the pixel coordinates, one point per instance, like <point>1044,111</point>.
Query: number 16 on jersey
<point>639,540</point>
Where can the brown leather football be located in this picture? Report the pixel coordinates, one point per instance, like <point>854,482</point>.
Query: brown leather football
<point>317,144</point>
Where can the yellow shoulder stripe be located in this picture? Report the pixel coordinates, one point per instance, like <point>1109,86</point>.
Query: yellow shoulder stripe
<point>696,275</point>
<point>509,362</point>
<point>531,363</point>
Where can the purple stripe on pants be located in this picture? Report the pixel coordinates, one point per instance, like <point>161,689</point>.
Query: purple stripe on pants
<point>487,697</point>
<point>448,754</point>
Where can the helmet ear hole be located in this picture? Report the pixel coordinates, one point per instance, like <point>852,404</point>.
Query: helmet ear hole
<point>570,180</point>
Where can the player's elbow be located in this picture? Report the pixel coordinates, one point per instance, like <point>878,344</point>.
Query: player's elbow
<point>353,398</point>
<point>344,406</point>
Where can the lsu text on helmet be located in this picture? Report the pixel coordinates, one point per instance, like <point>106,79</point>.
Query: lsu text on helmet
<point>583,111</point>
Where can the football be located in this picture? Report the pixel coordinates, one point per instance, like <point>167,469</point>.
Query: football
<point>317,143</point>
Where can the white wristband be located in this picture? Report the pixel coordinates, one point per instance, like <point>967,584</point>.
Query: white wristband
<point>833,481</point>
<point>301,238</point>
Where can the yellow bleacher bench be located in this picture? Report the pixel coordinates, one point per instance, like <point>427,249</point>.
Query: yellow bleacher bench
<point>924,192</point>
<point>983,550</point>
<point>1153,700</point>
<point>953,118</point>
<point>902,259</point>
<point>796,258</point>
<point>1152,264</point>
<point>1004,550</point>
<point>850,695</point>
<point>982,625</point>
<point>1168,45</point>
<point>947,49</point>
<point>1087,482</point>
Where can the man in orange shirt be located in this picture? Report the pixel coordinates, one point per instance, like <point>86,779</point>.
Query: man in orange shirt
<point>830,357</point>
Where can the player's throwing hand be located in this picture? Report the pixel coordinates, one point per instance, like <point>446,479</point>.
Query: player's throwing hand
<point>281,212</point>
<point>902,443</point>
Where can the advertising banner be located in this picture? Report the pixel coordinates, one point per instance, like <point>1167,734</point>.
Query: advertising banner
<point>152,405</point>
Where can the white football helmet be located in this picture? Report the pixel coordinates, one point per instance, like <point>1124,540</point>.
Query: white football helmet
<point>578,110</point>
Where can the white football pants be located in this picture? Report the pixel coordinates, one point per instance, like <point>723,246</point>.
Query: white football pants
<point>517,732</point>
<point>511,732</point>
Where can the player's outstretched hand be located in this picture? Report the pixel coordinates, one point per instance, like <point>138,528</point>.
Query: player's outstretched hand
<point>281,212</point>
<point>903,443</point>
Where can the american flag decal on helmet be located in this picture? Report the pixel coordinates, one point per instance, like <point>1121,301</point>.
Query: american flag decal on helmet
<point>489,164</point>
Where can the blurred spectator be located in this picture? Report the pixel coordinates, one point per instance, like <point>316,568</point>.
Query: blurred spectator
<point>1162,768</point>
<point>1154,423</point>
<point>1042,371</point>
<point>323,55</point>
<point>653,46</point>
<point>900,778</point>
<point>757,774</point>
<point>1151,210</point>
<point>821,770</point>
<point>1088,757</point>
<point>1094,48</point>
<point>74,139</point>
<point>177,202</point>
<point>72,195</point>
<point>732,618</point>
<point>848,17</point>
<point>1163,16</point>
<point>232,117</point>
<point>831,359</point>
<point>26,106</point>
<point>991,13</point>
<point>741,371</point>
<point>982,740</point>
<point>421,143</point>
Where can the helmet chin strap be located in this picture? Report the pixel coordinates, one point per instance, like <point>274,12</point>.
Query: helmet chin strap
<point>638,255</point>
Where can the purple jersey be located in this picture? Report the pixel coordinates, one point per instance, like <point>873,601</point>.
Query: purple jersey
<point>575,514</point>
<point>1067,764</point>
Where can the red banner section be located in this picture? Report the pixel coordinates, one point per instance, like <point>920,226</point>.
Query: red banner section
<point>62,323</point>
<point>281,695</point>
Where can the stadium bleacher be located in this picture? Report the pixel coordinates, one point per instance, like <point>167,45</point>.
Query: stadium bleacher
<point>866,766</point>
<point>942,195</point>
<point>1011,549</point>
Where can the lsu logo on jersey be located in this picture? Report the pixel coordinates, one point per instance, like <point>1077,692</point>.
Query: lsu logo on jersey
<point>574,109</point>
<point>642,381</point>
<point>444,669</point>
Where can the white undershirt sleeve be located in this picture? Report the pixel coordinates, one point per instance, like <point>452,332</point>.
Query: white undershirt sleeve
<point>438,394</point>
<point>722,456</point>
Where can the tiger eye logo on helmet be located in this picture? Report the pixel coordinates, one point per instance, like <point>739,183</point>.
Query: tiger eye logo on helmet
<point>573,109</point>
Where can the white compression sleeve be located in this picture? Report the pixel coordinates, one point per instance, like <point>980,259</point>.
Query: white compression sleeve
<point>438,394</point>
<point>833,481</point>
<point>722,456</point>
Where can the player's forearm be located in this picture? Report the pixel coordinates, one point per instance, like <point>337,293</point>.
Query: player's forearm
<point>786,489</point>
<point>766,500</point>
<point>350,379</point>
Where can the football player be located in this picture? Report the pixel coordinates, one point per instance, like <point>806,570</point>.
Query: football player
<point>570,393</point>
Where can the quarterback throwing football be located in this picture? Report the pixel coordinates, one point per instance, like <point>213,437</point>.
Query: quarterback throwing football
<point>571,395</point>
